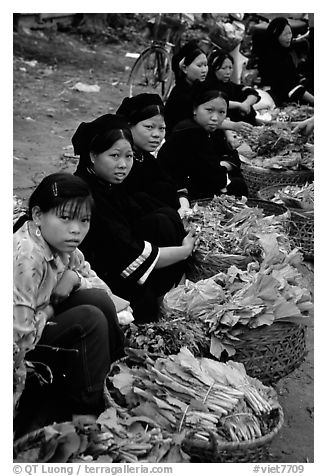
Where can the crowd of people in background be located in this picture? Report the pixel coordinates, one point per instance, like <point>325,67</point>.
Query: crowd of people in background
<point>101,247</point>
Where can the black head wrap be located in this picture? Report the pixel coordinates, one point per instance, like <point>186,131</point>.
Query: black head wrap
<point>87,131</point>
<point>141,107</point>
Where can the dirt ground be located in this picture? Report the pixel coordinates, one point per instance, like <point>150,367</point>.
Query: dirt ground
<point>47,110</point>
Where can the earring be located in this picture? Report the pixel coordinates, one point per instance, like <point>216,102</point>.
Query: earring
<point>38,231</point>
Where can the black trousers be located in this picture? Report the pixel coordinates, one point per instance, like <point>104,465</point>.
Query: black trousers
<point>85,328</point>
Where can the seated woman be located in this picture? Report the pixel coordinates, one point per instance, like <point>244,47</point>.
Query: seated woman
<point>64,315</point>
<point>190,66</point>
<point>241,98</point>
<point>197,153</point>
<point>277,68</point>
<point>138,248</point>
<point>144,114</point>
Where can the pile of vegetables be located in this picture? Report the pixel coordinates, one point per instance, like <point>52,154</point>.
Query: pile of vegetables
<point>181,392</point>
<point>169,334</point>
<point>153,404</point>
<point>294,113</point>
<point>115,436</point>
<point>276,147</point>
<point>278,290</point>
<point>300,197</point>
<point>228,226</point>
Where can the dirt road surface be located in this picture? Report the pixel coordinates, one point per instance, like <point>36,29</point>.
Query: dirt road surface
<point>47,110</point>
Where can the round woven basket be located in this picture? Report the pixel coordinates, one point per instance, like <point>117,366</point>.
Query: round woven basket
<point>260,177</point>
<point>301,223</point>
<point>215,451</point>
<point>269,353</point>
<point>301,230</point>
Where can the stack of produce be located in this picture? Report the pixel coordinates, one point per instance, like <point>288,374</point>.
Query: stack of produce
<point>300,198</point>
<point>277,291</point>
<point>275,147</point>
<point>152,406</point>
<point>294,113</point>
<point>227,225</point>
<point>115,437</point>
<point>182,392</point>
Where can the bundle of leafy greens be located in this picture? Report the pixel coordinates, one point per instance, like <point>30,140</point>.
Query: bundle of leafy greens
<point>181,392</point>
<point>115,437</point>
<point>275,290</point>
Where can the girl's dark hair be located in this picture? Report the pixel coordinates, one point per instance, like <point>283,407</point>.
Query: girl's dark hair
<point>204,92</point>
<point>274,29</point>
<point>106,139</point>
<point>59,189</point>
<point>186,55</point>
<point>216,61</point>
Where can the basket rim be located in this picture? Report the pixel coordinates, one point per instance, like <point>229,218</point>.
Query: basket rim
<point>246,445</point>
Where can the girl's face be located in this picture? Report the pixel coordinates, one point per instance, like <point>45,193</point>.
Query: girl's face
<point>63,231</point>
<point>113,165</point>
<point>285,37</point>
<point>211,114</point>
<point>197,70</point>
<point>225,71</point>
<point>148,134</point>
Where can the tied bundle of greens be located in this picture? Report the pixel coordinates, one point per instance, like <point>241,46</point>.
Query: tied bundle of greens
<point>228,226</point>
<point>183,392</point>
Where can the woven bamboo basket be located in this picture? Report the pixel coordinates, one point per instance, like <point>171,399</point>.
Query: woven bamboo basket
<point>216,451</point>
<point>260,177</point>
<point>301,223</point>
<point>269,353</point>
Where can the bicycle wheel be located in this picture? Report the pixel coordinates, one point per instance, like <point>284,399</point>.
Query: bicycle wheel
<point>152,70</point>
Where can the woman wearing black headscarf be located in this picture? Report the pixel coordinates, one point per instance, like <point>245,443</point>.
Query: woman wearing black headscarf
<point>277,68</point>
<point>144,114</point>
<point>138,247</point>
<point>197,153</point>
